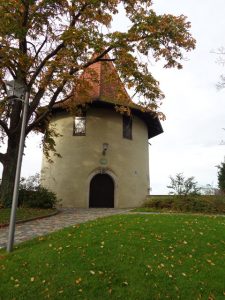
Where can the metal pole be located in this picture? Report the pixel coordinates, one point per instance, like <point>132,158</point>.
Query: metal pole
<point>17,177</point>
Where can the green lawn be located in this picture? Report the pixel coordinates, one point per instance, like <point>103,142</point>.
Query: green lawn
<point>23,214</point>
<point>121,257</point>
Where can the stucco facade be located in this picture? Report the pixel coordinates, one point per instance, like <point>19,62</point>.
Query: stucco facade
<point>126,161</point>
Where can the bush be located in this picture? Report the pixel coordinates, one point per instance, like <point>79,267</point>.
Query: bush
<point>159,202</point>
<point>40,198</point>
<point>181,186</point>
<point>32,194</point>
<point>189,203</point>
<point>221,177</point>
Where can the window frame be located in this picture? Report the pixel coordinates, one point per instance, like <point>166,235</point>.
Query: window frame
<point>127,127</point>
<point>84,126</point>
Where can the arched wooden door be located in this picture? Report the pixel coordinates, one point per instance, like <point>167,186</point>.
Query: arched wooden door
<point>101,191</point>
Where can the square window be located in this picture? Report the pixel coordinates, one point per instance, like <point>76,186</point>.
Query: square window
<point>79,127</point>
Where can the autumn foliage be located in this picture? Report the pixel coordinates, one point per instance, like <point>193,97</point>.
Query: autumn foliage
<point>45,45</point>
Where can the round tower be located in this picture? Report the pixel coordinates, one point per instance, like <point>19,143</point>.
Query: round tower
<point>105,160</point>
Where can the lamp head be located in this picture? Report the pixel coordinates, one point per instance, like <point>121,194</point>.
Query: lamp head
<point>104,148</point>
<point>15,89</point>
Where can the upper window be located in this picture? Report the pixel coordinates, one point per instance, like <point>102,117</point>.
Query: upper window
<point>79,127</point>
<point>127,127</point>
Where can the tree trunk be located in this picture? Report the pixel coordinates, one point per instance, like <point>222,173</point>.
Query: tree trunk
<point>9,171</point>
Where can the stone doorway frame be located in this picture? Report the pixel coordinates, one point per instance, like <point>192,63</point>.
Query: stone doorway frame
<point>103,171</point>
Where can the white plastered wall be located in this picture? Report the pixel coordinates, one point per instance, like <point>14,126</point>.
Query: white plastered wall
<point>126,161</point>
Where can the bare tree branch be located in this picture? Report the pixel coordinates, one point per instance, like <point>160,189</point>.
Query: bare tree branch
<point>60,88</point>
<point>3,85</point>
<point>107,59</point>
<point>94,60</point>
<point>44,61</point>
<point>2,157</point>
<point>57,49</point>
<point>76,17</point>
<point>42,45</point>
<point>4,127</point>
<point>23,41</point>
<point>34,104</point>
<point>11,72</point>
<point>35,50</point>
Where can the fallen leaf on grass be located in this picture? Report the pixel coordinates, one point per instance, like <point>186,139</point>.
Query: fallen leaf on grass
<point>169,274</point>
<point>78,280</point>
<point>210,262</point>
<point>161,266</point>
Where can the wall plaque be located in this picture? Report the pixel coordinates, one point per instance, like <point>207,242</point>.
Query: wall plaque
<point>103,161</point>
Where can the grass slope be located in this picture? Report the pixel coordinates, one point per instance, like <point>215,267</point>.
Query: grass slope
<point>121,257</point>
<point>23,214</point>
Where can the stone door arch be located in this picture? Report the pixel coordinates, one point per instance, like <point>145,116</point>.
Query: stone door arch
<point>101,191</point>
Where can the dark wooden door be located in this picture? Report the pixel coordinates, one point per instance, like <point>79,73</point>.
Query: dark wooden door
<point>101,191</point>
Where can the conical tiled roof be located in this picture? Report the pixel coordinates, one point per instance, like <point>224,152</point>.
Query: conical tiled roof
<point>100,85</point>
<point>101,81</point>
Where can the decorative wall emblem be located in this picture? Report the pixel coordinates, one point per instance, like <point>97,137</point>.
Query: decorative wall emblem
<point>103,161</point>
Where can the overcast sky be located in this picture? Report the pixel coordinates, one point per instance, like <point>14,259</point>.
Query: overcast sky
<point>194,108</point>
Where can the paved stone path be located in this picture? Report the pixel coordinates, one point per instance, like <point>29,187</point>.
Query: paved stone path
<point>65,218</point>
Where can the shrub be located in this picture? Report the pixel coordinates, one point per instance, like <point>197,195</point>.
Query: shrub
<point>32,183</point>
<point>221,177</point>
<point>40,198</point>
<point>189,203</point>
<point>181,186</point>
<point>159,202</point>
<point>32,194</point>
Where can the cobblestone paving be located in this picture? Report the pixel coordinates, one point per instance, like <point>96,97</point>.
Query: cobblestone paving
<point>65,218</point>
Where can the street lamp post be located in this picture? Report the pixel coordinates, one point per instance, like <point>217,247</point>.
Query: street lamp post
<point>16,91</point>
